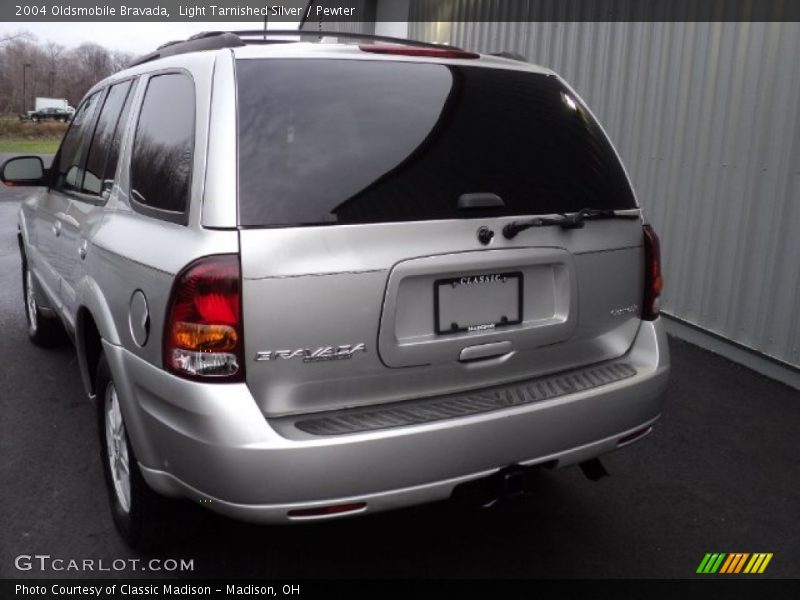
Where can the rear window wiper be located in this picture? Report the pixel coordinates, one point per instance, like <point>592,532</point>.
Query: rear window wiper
<point>565,221</point>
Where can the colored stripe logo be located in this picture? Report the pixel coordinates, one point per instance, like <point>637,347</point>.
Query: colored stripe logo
<point>734,563</point>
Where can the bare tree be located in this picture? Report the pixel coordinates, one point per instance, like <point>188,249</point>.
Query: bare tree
<point>19,58</point>
<point>10,37</point>
<point>120,60</point>
<point>54,53</point>
<point>51,70</point>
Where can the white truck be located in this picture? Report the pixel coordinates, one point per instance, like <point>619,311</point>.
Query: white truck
<point>43,103</point>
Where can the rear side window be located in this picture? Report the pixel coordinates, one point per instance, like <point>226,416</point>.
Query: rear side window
<point>101,165</point>
<point>163,149</point>
<point>71,155</point>
<point>337,141</point>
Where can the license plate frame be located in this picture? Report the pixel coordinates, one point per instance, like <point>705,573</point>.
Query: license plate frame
<point>448,327</point>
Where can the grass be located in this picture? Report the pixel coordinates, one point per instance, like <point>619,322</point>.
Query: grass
<point>25,137</point>
<point>17,146</point>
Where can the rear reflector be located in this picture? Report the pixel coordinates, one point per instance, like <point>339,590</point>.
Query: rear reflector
<point>653,281</point>
<point>634,436</point>
<point>416,51</point>
<point>327,510</point>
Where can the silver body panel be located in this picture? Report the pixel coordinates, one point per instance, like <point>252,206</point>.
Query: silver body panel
<point>219,447</point>
<point>353,273</point>
<point>358,286</point>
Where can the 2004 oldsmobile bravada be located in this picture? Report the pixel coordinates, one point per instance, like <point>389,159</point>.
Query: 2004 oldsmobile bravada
<point>311,280</point>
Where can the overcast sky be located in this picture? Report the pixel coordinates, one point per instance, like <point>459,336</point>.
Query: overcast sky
<point>137,38</point>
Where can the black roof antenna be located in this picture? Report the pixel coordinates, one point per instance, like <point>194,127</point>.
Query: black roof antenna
<point>306,13</point>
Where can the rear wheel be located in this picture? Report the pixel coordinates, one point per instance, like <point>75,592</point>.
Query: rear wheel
<point>140,515</point>
<point>43,331</point>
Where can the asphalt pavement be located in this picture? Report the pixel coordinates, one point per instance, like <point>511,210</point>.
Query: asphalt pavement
<point>720,473</point>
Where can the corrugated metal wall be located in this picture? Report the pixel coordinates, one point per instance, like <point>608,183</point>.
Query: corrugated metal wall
<point>343,27</point>
<point>706,117</point>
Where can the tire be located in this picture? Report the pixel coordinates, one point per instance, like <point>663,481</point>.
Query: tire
<point>43,331</point>
<point>141,516</point>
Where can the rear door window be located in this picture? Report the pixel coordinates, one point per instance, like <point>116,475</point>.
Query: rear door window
<point>163,149</point>
<point>344,141</point>
<point>101,164</point>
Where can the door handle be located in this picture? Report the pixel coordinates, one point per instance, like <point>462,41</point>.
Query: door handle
<point>485,351</point>
<point>83,249</point>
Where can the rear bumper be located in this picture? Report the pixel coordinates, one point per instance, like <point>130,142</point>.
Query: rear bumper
<point>211,442</point>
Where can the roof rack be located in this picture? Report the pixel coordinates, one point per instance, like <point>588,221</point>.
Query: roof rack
<point>215,40</point>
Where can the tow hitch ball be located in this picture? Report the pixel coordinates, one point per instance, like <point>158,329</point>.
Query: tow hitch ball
<point>593,469</point>
<point>512,482</point>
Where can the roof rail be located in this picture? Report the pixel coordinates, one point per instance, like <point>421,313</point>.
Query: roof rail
<point>215,40</point>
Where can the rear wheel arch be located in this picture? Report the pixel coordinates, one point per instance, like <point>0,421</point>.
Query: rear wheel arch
<point>93,325</point>
<point>89,346</point>
<point>93,347</point>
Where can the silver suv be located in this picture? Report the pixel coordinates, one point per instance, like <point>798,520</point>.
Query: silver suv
<point>307,280</point>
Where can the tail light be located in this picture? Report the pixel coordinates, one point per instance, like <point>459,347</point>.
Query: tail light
<point>203,330</point>
<point>653,281</point>
<point>417,51</point>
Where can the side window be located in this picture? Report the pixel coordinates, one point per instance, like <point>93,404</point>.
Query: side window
<point>71,155</point>
<point>163,149</point>
<point>116,141</point>
<point>101,164</point>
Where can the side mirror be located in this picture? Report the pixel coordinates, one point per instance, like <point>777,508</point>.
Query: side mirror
<point>23,170</point>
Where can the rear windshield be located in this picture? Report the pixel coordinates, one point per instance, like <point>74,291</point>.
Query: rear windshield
<point>344,141</point>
